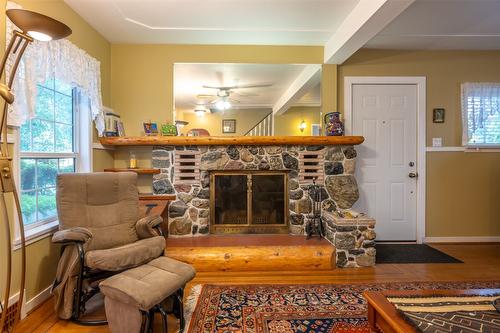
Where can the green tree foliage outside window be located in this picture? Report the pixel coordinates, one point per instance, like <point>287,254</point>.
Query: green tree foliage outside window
<point>47,148</point>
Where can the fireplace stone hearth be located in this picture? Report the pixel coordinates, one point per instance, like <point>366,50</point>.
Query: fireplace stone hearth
<point>185,171</point>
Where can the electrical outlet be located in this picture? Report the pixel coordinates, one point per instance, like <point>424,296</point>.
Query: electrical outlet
<point>437,142</point>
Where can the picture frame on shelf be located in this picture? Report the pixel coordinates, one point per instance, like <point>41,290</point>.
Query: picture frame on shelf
<point>119,128</point>
<point>150,129</point>
<point>228,126</point>
<point>168,130</point>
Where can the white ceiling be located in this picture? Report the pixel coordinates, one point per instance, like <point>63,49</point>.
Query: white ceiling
<point>425,24</point>
<point>260,22</point>
<point>190,78</point>
<point>443,24</point>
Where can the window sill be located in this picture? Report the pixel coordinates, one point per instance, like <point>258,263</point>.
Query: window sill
<point>36,234</point>
<point>484,149</point>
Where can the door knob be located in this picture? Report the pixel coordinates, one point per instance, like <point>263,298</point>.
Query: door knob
<point>413,175</point>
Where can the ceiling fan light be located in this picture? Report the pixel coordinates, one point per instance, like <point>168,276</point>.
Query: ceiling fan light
<point>219,105</point>
<point>200,112</point>
<point>227,105</point>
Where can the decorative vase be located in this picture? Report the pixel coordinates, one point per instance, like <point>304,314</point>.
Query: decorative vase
<point>333,124</point>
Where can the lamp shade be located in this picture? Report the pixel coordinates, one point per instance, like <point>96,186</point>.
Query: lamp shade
<point>38,26</point>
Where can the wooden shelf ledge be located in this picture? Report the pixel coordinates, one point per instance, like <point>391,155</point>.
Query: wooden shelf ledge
<point>140,171</point>
<point>231,140</point>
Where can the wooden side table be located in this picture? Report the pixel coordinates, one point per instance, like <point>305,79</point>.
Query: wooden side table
<point>384,317</point>
<point>156,205</point>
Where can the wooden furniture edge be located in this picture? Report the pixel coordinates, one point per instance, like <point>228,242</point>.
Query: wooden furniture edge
<point>378,301</point>
<point>230,140</point>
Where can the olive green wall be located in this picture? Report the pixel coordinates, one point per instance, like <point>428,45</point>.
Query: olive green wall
<point>288,123</point>
<point>42,256</point>
<point>463,194</point>
<point>142,75</point>
<point>462,188</point>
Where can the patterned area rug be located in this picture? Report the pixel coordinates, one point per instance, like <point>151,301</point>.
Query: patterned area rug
<point>295,308</point>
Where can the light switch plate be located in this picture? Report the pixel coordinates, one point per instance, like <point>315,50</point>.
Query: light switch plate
<point>437,142</point>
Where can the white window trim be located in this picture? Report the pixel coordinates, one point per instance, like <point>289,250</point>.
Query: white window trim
<point>472,147</point>
<point>83,163</point>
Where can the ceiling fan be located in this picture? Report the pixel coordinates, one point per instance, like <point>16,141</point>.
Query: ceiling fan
<point>222,100</point>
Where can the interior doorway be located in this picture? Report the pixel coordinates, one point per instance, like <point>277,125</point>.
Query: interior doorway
<point>390,113</point>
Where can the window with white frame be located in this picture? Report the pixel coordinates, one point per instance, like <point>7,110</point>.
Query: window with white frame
<point>481,114</point>
<point>49,145</point>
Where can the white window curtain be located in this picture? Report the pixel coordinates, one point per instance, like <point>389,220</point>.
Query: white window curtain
<point>59,59</point>
<point>481,114</point>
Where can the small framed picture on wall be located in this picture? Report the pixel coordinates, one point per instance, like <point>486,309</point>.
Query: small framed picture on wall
<point>438,115</point>
<point>228,126</point>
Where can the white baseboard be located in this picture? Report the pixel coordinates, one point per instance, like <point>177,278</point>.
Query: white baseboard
<point>472,239</point>
<point>36,301</point>
<point>13,299</point>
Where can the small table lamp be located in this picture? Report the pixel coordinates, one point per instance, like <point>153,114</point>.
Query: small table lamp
<point>43,28</point>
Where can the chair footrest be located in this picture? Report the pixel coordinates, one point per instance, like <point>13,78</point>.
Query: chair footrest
<point>142,289</point>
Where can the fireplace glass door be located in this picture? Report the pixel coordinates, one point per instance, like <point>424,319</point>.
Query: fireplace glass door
<point>249,202</point>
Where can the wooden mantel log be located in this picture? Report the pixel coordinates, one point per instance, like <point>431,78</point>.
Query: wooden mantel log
<point>231,140</point>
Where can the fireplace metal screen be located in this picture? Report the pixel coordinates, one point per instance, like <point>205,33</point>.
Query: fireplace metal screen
<point>249,202</point>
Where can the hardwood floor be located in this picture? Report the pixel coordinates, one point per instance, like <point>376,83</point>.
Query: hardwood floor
<point>481,262</point>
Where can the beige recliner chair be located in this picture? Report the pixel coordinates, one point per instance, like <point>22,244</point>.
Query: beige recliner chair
<point>101,235</point>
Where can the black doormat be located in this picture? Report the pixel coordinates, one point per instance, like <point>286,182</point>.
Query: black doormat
<point>411,254</point>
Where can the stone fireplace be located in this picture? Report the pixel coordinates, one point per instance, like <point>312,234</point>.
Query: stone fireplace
<point>190,172</point>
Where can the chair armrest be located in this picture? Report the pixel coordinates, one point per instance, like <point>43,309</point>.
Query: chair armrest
<point>145,227</point>
<point>72,235</point>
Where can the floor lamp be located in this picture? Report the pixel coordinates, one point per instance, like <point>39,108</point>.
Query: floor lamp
<point>43,28</point>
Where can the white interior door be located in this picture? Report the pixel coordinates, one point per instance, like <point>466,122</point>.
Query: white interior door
<point>386,115</point>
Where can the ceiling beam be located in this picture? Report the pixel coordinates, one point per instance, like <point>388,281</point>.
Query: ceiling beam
<point>307,79</point>
<point>365,21</point>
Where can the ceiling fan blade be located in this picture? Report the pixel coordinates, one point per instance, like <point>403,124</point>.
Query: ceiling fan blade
<point>218,87</point>
<point>239,86</point>
<point>203,96</point>
<point>232,100</point>
<point>244,94</point>
<point>257,85</point>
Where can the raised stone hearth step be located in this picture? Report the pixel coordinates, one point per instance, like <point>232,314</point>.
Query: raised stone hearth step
<point>253,253</point>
